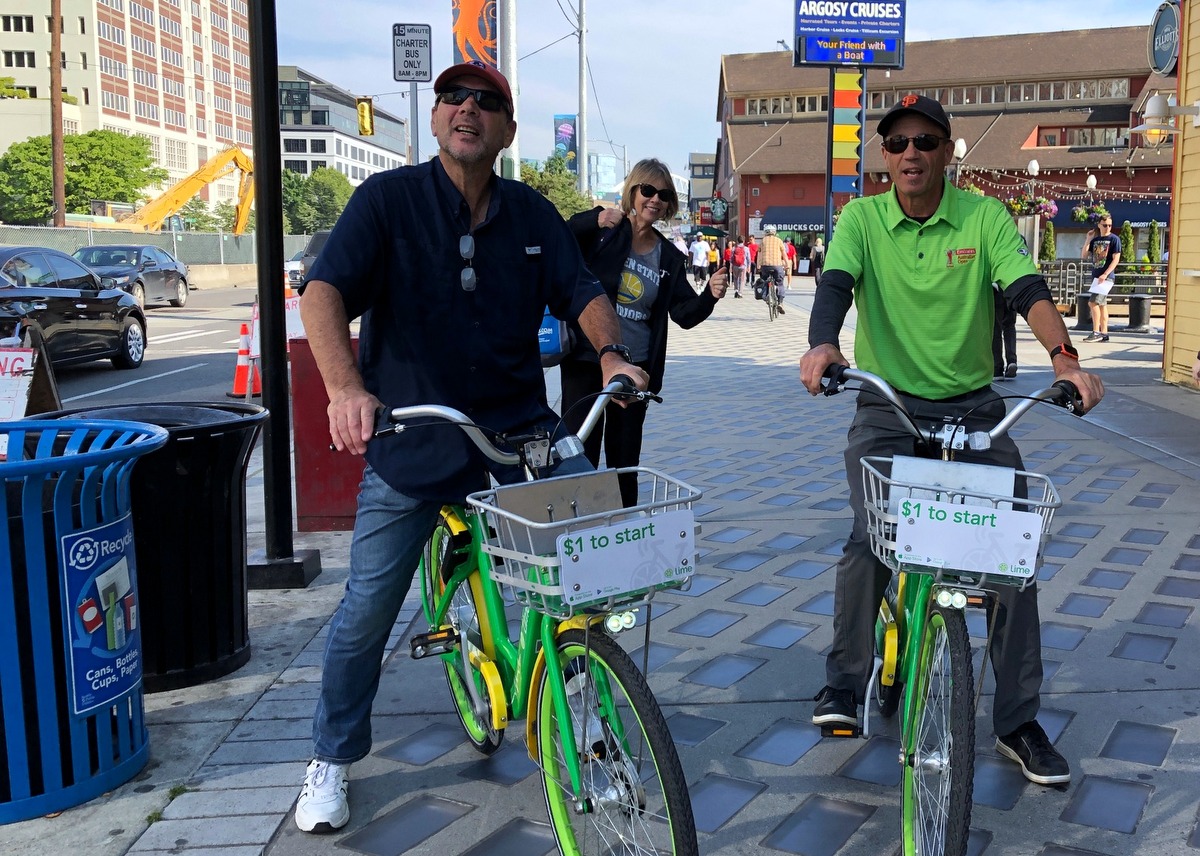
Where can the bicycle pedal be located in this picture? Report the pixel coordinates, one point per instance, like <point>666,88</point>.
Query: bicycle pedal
<point>438,641</point>
<point>841,729</point>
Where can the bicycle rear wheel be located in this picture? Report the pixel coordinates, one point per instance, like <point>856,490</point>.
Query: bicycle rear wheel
<point>940,762</point>
<point>634,798</point>
<point>772,300</point>
<point>463,613</point>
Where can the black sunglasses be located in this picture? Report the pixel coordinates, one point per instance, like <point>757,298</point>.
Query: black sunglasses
<point>492,102</point>
<point>649,191</point>
<point>898,144</point>
<point>466,249</point>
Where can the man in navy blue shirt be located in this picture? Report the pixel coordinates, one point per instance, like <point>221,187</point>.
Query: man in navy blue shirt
<point>449,268</point>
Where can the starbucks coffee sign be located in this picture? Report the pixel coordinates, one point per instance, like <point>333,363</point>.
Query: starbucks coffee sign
<point>1163,46</point>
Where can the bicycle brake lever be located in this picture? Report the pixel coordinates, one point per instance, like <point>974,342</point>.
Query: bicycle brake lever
<point>1073,401</point>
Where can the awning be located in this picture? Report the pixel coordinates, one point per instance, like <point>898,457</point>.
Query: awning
<point>1138,212</point>
<point>794,218</point>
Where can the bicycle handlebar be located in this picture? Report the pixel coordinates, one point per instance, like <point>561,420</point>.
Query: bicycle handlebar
<point>1063,393</point>
<point>621,385</point>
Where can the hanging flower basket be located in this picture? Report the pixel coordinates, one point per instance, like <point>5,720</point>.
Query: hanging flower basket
<point>1092,213</point>
<point>1026,203</point>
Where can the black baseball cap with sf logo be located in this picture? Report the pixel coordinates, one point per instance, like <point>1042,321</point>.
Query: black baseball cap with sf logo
<point>913,103</point>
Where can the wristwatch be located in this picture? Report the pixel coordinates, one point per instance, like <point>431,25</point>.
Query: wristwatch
<point>1064,349</point>
<point>619,350</point>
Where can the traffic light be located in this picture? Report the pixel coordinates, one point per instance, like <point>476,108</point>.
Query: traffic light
<point>366,117</point>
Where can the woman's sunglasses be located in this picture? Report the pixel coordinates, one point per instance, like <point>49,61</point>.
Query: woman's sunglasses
<point>487,100</point>
<point>650,191</point>
<point>898,144</point>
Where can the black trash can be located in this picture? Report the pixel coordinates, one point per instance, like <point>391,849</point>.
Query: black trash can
<point>189,517</point>
<point>72,718</point>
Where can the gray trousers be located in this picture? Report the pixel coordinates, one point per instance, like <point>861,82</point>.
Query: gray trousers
<point>1016,650</point>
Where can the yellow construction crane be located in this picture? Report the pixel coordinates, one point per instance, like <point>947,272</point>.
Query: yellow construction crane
<point>150,217</point>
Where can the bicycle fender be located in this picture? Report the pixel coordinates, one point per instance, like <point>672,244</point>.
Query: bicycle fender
<point>495,689</point>
<point>575,622</point>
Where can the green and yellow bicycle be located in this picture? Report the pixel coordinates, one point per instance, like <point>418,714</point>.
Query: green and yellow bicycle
<point>951,531</point>
<point>581,569</point>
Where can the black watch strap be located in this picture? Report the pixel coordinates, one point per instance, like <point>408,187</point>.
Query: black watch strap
<point>620,350</point>
<point>1064,348</point>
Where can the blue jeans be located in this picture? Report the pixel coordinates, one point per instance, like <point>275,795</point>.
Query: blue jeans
<point>389,531</point>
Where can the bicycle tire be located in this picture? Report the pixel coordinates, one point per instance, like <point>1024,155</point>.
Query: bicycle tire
<point>771,300</point>
<point>463,610</point>
<point>637,798</point>
<point>938,773</point>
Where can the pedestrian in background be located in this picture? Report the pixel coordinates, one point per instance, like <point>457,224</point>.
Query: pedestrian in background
<point>699,253</point>
<point>646,280</point>
<point>1004,338</point>
<point>737,266</point>
<point>791,262</point>
<point>818,259</point>
<point>1104,252</point>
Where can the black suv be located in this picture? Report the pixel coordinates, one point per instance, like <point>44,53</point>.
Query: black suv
<point>315,243</point>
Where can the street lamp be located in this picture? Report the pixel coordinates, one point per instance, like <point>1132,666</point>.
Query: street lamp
<point>1033,168</point>
<point>784,45</point>
<point>1158,119</point>
<point>960,152</point>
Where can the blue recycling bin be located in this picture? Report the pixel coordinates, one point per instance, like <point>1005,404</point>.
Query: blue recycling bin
<point>71,711</point>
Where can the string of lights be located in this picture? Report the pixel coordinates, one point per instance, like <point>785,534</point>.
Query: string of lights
<point>1016,182</point>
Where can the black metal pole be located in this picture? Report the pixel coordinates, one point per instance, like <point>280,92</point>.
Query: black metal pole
<point>279,566</point>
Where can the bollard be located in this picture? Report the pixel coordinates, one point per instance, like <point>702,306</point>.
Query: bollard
<point>1083,312</point>
<point>1139,313</point>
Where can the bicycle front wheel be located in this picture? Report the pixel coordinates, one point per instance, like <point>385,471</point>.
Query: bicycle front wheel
<point>940,761</point>
<point>771,301</point>
<point>633,798</point>
<point>463,614</point>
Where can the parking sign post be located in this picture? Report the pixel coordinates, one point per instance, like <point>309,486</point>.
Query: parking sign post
<point>413,62</point>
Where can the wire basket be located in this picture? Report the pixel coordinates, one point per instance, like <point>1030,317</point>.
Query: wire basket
<point>889,504</point>
<point>529,557</point>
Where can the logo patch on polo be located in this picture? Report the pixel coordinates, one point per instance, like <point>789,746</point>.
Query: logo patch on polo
<point>960,257</point>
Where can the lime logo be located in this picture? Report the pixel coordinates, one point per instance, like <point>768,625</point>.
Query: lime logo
<point>631,289</point>
<point>84,554</point>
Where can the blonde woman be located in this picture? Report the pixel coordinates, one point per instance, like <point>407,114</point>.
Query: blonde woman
<point>645,276</point>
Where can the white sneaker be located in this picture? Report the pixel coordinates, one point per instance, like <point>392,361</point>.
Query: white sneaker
<point>323,805</point>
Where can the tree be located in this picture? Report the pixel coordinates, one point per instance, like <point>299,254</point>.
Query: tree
<point>558,184</point>
<point>1154,243</point>
<point>8,88</point>
<point>226,213</point>
<point>298,211</point>
<point>1048,251</point>
<point>1127,264</point>
<point>328,191</point>
<point>99,165</point>
<point>197,216</point>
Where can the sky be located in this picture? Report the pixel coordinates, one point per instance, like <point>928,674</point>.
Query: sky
<point>655,64</point>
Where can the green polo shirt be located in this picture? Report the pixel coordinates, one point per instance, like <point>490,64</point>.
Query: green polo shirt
<point>924,290</point>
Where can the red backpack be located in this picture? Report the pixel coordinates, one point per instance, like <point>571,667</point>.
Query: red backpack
<point>739,256</point>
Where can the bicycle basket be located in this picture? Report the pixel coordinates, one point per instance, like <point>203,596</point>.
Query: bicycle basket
<point>565,544</point>
<point>958,522</point>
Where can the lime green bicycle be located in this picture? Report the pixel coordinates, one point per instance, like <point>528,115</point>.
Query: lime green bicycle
<point>950,531</point>
<point>581,568</point>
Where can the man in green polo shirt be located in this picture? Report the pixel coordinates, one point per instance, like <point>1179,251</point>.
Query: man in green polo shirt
<point>919,262</point>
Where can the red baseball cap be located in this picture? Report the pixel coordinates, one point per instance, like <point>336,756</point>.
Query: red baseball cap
<point>475,68</point>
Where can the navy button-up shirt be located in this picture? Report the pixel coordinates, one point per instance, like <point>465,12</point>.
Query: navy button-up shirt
<point>394,257</point>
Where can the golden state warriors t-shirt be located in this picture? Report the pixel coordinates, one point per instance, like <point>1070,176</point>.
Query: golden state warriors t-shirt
<point>635,298</point>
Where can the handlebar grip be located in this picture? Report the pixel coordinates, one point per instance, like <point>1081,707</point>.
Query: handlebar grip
<point>1071,400</point>
<point>832,378</point>
<point>631,390</point>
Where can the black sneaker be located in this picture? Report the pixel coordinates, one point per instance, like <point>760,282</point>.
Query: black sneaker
<point>1104,337</point>
<point>1031,748</point>
<point>1092,337</point>
<point>779,309</point>
<point>835,706</point>
<point>1011,371</point>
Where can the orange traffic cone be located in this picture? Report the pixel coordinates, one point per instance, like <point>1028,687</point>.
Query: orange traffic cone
<point>242,373</point>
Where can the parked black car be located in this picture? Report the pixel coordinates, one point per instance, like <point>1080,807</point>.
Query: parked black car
<point>149,273</point>
<point>80,316</point>
<point>312,250</point>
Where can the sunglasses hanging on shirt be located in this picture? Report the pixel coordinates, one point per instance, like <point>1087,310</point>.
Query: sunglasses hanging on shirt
<point>466,249</point>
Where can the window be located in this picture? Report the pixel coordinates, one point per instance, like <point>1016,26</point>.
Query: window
<point>754,191</point>
<point>319,165</point>
<point>83,60</point>
<point>295,146</point>
<point>70,273</point>
<point>317,147</point>
<point>319,117</point>
<point>17,23</point>
<point>296,166</point>
<point>19,59</point>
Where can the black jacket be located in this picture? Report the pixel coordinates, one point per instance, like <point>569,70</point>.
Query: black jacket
<point>604,252</point>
